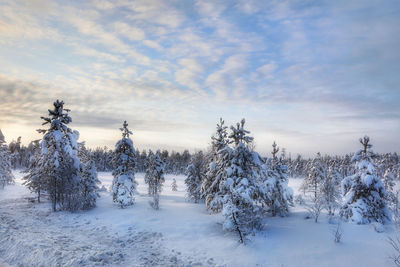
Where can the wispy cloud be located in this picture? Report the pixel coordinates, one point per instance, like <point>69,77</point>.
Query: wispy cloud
<point>298,70</point>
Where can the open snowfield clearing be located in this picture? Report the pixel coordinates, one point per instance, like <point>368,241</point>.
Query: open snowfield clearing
<point>179,234</point>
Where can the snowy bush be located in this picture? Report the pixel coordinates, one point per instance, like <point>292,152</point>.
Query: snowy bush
<point>174,186</point>
<point>337,233</point>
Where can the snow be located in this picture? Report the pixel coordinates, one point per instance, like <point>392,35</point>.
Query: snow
<point>180,233</point>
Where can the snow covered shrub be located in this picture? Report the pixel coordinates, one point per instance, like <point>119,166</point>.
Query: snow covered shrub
<point>196,172</point>
<point>242,192</point>
<point>174,186</point>
<point>364,192</point>
<point>155,178</point>
<point>124,183</point>
<point>280,195</point>
<point>337,233</point>
<point>298,199</point>
<point>215,175</point>
<point>6,177</point>
<point>395,243</point>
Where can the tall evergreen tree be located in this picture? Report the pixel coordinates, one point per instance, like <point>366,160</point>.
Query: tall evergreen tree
<point>155,177</point>
<point>34,180</point>
<point>196,172</point>
<point>364,192</point>
<point>280,196</point>
<point>6,176</point>
<point>89,184</point>
<point>60,165</point>
<point>215,174</point>
<point>124,183</point>
<point>242,193</point>
<point>313,185</point>
<point>330,190</point>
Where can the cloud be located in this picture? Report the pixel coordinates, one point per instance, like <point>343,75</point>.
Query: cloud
<point>305,69</point>
<point>132,33</point>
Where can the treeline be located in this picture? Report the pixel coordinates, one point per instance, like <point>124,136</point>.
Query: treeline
<point>175,162</point>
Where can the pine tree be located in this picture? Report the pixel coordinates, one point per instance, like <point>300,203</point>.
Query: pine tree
<point>280,196</point>
<point>6,176</point>
<point>147,177</point>
<point>89,184</point>
<point>174,186</point>
<point>215,174</point>
<point>330,190</point>
<point>59,164</point>
<point>364,192</point>
<point>242,194</point>
<point>34,179</point>
<point>124,183</point>
<point>196,172</point>
<point>155,177</point>
<point>313,184</point>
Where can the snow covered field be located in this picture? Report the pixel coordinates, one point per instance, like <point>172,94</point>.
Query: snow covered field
<point>179,234</point>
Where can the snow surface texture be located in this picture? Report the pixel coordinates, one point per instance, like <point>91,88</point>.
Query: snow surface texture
<point>179,234</point>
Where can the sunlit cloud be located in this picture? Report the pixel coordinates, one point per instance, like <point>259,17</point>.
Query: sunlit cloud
<point>314,76</point>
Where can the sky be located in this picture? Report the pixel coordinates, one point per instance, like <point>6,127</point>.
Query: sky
<point>311,75</point>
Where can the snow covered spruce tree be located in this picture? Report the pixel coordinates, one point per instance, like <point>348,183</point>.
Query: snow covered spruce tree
<point>124,183</point>
<point>215,175</point>
<point>174,186</point>
<point>155,178</point>
<point>241,190</point>
<point>330,190</point>
<point>59,164</point>
<point>280,195</point>
<point>89,183</point>
<point>196,172</point>
<point>364,192</point>
<point>6,176</point>
<point>313,183</point>
<point>34,179</point>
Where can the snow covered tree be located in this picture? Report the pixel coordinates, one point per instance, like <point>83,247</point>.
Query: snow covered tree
<point>34,180</point>
<point>215,174</point>
<point>196,172</point>
<point>330,190</point>
<point>364,192</point>
<point>280,196</point>
<point>313,184</point>
<point>174,186</point>
<point>124,183</point>
<point>155,177</point>
<point>6,176</point>
<point>89,184</point>
<point>242,194</point>
<point>59,165</point>
<point>147,165</point>
<point>389,180</point>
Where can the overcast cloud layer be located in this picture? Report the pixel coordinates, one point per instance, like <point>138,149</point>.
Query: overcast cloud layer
<point>312,75</point>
